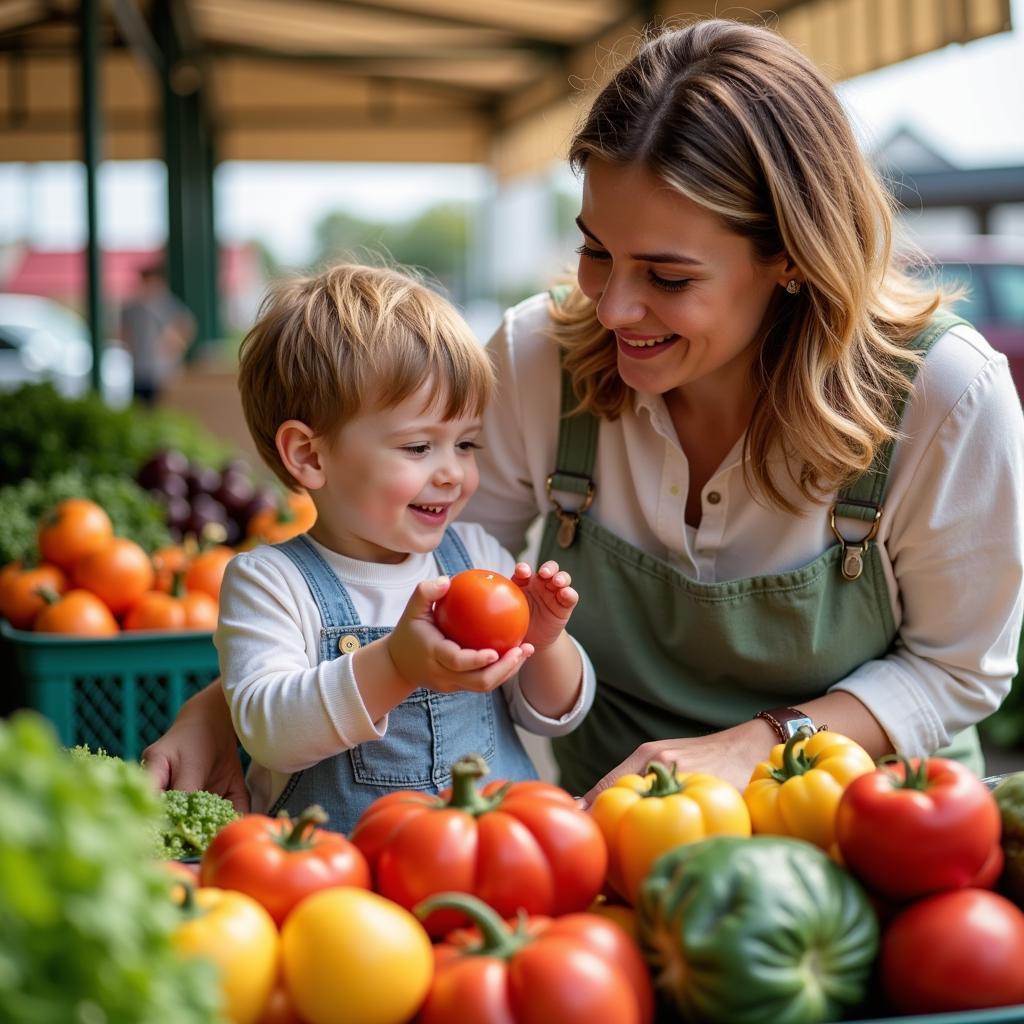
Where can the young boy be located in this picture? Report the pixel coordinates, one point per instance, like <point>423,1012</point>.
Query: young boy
<point>366,388</point>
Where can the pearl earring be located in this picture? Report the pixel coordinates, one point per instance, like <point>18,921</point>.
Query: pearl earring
<point>793,286</point>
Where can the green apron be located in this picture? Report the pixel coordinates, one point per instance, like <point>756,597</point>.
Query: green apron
<point>678,658</point>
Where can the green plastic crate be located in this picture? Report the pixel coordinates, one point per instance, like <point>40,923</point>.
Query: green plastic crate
<point>119,693</point>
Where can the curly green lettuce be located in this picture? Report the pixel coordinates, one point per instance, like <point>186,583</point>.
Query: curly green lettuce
<point>86,918</point>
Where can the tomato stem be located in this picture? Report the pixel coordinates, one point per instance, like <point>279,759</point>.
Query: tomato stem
<point>497,939</point>
<point>300,835</point>
<point>665,781</point>
<point>465,794</point>
<point>915,776</point>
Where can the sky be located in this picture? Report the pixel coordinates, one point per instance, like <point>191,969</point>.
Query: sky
<point>966,101</point>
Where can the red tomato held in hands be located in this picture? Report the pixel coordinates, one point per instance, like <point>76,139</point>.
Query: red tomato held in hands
<point>576,969</point>
<point>520,845</point>
<point>483,610</point>
<point>277,861</point>
<point>907,830</point>
<point>959,950</point>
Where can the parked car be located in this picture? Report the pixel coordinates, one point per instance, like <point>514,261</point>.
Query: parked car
<point>991,268</point>
<point>42,340</point>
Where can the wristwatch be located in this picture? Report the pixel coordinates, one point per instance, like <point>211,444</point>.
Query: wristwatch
<point>787,721</point>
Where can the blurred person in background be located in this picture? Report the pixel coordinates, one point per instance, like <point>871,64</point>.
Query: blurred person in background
<point>156,328</point>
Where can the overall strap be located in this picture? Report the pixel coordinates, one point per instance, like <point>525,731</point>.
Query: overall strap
<point>862,498</point>
<point>451,554</point>
<point>330,594</point>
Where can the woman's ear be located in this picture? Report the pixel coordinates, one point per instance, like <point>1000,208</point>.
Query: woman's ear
<point>788,272</point>
<point>297,447</point>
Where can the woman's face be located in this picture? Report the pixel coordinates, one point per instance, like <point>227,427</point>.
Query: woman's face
<point>684,295</point>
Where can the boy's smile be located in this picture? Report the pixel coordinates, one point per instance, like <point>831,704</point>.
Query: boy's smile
<point>394,478</point>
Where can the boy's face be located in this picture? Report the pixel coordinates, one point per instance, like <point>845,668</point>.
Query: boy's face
<point>394,479</point>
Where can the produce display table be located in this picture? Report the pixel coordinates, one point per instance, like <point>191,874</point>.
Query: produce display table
<point>118,693</point>
<point>1000,1015</point>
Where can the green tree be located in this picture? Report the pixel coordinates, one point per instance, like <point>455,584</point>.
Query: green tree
<point>341,235</point>
<point>436,242</point>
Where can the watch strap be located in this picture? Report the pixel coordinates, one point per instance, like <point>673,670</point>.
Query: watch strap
<point>786,721</point>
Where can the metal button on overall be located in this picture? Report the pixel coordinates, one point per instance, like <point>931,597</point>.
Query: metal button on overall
<point>348,643</point>
<point>714,497</point>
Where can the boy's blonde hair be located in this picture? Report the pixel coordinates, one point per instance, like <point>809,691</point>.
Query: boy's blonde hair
<point>354,337</point>
<point>736,119</point>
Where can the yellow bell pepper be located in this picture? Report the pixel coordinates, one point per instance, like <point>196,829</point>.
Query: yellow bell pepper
<point>234,932</point>
<point>642,816</point>
<point>797,791</point>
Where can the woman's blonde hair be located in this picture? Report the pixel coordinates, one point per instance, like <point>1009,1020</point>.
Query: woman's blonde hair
<point>354,337</point>
<point>741,123</point>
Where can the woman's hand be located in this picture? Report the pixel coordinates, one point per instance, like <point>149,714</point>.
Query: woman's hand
<point>200,750</point>
<point>731,754</point>
<point>551,601</point>
<point>423,656</point>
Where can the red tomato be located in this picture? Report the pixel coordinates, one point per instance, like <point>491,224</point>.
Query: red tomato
<point>483,610</point>
<point>20,599</point>
<point>79,613</point>
<point>73,529</point>
<point>515,845</point>
<point>959,950</point>
<point>907,833</point>
<point>119,574</point>
<point>278,861</point>
<point>576,969</point>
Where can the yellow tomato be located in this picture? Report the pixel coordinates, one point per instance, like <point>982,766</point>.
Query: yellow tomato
<point>240,937</point>
<point>643,816</point>
<point>796,793</point>
<point>350,956</point>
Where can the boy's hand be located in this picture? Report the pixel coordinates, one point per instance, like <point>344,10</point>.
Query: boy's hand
<point>423,656</point>
<point>551,601</point>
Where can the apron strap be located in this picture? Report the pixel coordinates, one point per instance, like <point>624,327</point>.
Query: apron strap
<point>577,446</point>
<point>577,434</point>
<point>331,596</point>
<point>862,497</point>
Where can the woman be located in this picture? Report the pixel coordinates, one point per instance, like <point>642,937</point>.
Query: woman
<point>791,487</point>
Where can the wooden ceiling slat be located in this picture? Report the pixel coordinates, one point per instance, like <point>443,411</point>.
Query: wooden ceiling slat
<point>555,20</point>
<point>18,13</point>
<point>501,81</point>
<point>315,26</point>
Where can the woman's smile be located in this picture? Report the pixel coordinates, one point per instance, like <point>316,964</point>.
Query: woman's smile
<point>637,346</point>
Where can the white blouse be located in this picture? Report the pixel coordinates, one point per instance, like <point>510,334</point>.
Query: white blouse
<point>951,536</point>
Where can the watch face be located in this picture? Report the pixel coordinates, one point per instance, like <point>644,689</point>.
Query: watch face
<point>795,724</point>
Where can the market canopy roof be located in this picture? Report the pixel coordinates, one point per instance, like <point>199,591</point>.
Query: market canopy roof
<point>492,81</point>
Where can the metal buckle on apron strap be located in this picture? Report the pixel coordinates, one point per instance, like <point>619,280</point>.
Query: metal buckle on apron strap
<point>853,550</point>
<point>570,518</point>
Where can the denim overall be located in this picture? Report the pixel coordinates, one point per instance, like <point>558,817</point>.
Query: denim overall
<point>426,733</point>
<point>676,657</point>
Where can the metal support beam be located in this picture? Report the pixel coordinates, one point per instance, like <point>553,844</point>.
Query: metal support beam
<point>92,137</point>
<point>192,261</point>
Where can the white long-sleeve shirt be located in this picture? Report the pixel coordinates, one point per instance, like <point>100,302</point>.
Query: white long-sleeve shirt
<point>289,709</point>
<point>951,536</point>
